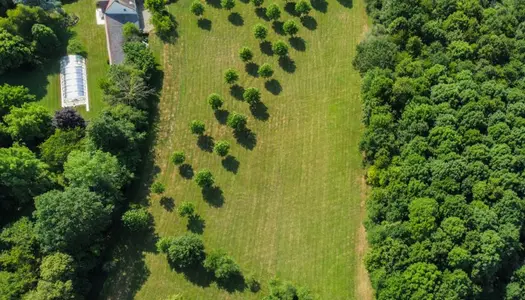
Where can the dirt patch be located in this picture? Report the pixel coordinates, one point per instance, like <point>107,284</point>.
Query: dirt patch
<point>363,286</point>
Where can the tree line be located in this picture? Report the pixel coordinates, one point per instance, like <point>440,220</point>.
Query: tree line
<point>62,180</point>
<point>444,110</point>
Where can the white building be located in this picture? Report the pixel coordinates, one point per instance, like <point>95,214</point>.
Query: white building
<point>73,81</point>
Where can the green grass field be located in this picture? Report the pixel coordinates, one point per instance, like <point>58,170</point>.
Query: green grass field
<point>293,199</point>
<point>44,81</point>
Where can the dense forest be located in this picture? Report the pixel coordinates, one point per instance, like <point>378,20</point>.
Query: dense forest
<point>444,109</point>
<point>63,181</point>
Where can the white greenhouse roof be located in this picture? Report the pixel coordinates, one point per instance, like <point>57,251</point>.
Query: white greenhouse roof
<point>73,81</point>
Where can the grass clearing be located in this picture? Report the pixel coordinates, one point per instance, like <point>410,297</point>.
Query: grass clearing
<point>292,199</point>
<point>44,81</point>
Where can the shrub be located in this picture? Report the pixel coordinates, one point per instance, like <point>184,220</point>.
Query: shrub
<point>280,48</point>
<point>197,8</point>
<point>228,4</point>
<point>74,46</point>
<point>221,148</point>
<point>265,71</point>
<point>290,27</point>
<point>237,121</point>
<point>303,7</point>
<point>252,95</point>
<point>231,76</point>
<point>164,24</point>
<point>136,219</point>
<point>158,188</point>
<point>163,244</point>
<point>186,209</point>
<point>222,265</point>
<point>197,127</point>
<point>131,32</point>
<point>257,2</point>
<point>215,101</point>
<point>260,31</point>
<point>273,12</point>
<point>245,54</point>
<point>178,157</point>
<point>185,251</point>
<point>204,178</point>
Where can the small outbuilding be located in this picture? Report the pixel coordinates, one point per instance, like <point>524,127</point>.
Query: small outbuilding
<point>73,81</point>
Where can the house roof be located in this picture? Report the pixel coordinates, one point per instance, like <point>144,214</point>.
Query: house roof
<point>127,3</point>
<point>115,36</point>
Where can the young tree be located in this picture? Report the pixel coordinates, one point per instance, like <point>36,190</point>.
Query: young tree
<point>68,118</point>
<point>197,8</point>
<point>215,101</point>
<point>246,54</point>
<point>265,71</point>
<point>204,178</point>
<point>222,265</point>
<point>221,148</point>
<point>30,123</point>
<point>273,12</point>
<point>231,76</point>
<point>237,121</point>
<point>164,24</point>
<point>137,219</point>
<point>257,2</point>
<point>280,48</point>
<point>303,7</point>
<point>158,187</point>
<point>228,4</point>
<point>13,96</point>
<point>290,27</point>
<point>155,5</point>
<point>75,47</point>
<point>178,157</point>
<point>70,220</point>
<point>197,127</point>
<point>252,95</point>
<point>186,250</point>
<point>260,31</point>
<point>186,209</point>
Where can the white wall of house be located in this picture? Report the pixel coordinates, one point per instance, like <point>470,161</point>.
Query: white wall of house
<point>117,8</point>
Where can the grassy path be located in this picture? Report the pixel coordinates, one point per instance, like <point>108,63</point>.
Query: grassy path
<point>293,199</point>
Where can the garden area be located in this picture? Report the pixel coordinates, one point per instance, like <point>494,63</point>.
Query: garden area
<point>256,156</point>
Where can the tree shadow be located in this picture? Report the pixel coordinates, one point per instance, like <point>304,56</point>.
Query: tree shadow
<point>237,91</point>
<point>196,274</point>
<point>204,24</point>
<point>273,86</point>
<point>346,3</point>
<point>236,19</point>
<point>221,115</point>
<point>319,5</point>
<point>235,283</point>
<point>214,196</point>
<point>168,203</point>
<point>278,27</point>
<point>245,1</point>
<point>246,138</point>
<point>260,111</point>
<point>196,224</point>
<point>252,69</point>
<point>261,13</point>
<point>297,43</point>
<point>287,64</point>
<point>290,9</point>
<point>35,79</point>
<point>205,143</point>
<point>186,171</point>
<point>266,48</point>
<point>231,164</point>
<point>309,22</point>
<point>214,3</point>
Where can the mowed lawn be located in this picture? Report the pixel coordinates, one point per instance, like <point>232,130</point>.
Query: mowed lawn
<point>292,197</point>
<point>44,81</point>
